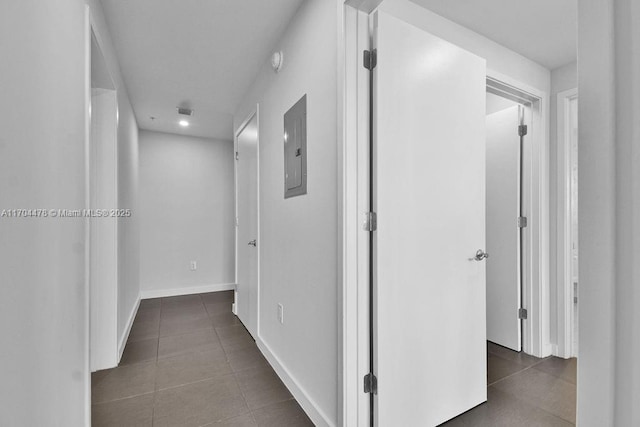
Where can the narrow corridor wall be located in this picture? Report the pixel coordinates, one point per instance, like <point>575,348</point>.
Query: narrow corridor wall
<point>299,239</point>
<point>187,202</point>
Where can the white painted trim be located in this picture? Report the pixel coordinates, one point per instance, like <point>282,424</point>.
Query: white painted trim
<point>311,408</point>
<point>127,330</point>
<point>87,205</point>
<point>564,289</point>
<point>355,202</point>
<point>188,290</point>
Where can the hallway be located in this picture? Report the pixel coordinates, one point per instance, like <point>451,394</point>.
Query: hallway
<point>190,362</point>
<point>524,391</point>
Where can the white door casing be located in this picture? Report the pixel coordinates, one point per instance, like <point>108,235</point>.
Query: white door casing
<point>429,180</point>
<point>247,243</point>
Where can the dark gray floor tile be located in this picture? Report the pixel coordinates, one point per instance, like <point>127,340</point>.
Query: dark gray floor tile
<point>234,331</point>
<point>261,387</point>
<point>504,410</point>
<point>246,358</point>
<point>199,403</point>
<point>123,381</point>
<point>245,420</point>
<point>140,351</point>
<point>177,326</point>
<point>287,413</point>
<point>218,308</point>
<point>182,314</point>
<point>514,356</point>
<point>217,297</point>
<point>562,368</point>
<point>174,345</point>
<point>181,301</point>
<point>237,343</point>
<point>225,319</point>
<point>191,367</point>
<point>543,390</point>
<point>142,330</point>
<point>147,315</point>
<point>150,303</point>
<point>499,368</point>
<point>132,412</point>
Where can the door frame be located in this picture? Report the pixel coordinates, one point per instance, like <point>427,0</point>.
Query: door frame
<point>354,189</point>
<point>564,289</point>
<point>107,351</point>
<point>536,338</point>
<point>254,113</point>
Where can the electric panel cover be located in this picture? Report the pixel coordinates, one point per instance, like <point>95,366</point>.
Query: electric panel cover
<point>295,149</point>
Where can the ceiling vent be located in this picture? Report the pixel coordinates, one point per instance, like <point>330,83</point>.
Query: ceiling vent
<point>185,111</point>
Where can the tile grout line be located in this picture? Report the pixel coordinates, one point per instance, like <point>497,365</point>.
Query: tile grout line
<point>515,373</point>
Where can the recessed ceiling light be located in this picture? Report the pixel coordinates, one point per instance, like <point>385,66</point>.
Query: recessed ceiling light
<point>183,123</point>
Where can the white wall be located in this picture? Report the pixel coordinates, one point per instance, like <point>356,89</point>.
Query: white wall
<point>499,58</point>
<point>43,290</point>
<point>299,236</point>
<point>597,216</point>
<point>128,228</point>
<point>187,211</point>
<point>563,78</point>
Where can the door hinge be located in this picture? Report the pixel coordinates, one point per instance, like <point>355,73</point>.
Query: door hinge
<point>370,59</point>
<point>237,155</point>
<point>371,221</point>
<point>522,130</point>
<point>522,221</point>
<point>522,313</point>
<point>370,384</point>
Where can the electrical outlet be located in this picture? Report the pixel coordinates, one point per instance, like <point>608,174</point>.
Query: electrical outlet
<point>281,314</point>
<point>193,266</point>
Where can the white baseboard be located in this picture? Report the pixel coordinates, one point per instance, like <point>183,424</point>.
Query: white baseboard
<point>201,289</point>
<point>127,331</point>
<point>318,417</point>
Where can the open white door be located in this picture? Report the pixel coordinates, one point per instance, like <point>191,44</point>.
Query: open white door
<point>429,181</point>
<point>503,278</point>
<point>247,234</point>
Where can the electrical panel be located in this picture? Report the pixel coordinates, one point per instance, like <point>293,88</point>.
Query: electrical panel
<point>295,149</point>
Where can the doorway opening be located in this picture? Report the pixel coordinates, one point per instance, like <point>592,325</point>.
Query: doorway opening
<point>103,230</point>
<point>247,293</point>
<point>567,227</point>
<point>507,128</point>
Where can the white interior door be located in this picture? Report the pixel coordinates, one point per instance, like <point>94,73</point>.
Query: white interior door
<point>247,233</point>
<point>503,280</point>
<point>429,181</point>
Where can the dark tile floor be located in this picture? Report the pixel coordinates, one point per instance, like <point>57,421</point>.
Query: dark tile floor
<point>190,362</point>
<point>524,391</point>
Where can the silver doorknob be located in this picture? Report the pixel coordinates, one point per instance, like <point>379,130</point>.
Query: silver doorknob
<point>480,255</point>
<point>252,243</point>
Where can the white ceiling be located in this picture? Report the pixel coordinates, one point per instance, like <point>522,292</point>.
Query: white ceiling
<point>544,31</point>
<point>203,54</point>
